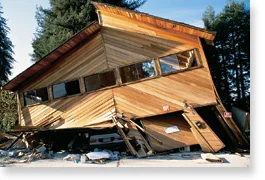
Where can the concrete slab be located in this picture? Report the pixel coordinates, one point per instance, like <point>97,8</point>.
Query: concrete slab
<point>190,159</point>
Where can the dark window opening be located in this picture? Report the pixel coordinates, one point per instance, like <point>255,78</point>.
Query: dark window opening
<point>72,87</point>
<point>137,71</point>
<point>176,62</point>
<point>98,81</point>
<point>35,96</point>
<point>66,89</point>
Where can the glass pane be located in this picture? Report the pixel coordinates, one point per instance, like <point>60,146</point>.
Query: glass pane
<point>72,87</point>
<point>169,64</point>
<point>29,97</point>
<point>42,95</point>
<point>107,79</point>
<point>148,69</point>
<point>129,73</point>
<point>59,90</point>
<point>91,82</point>
<point>35,96</point>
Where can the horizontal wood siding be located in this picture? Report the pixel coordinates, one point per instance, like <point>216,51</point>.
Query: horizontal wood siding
<point>147,98</point>
<point>76,111</point>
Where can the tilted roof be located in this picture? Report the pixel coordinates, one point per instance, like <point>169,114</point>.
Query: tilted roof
<point>42,65</point>
<point>156,21</point>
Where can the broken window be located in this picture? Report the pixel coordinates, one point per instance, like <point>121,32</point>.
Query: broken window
<point>176,62</point>
<point>137,71</point>
<point>66,89</point>
<point>98,81</point>
<point>35,96</point>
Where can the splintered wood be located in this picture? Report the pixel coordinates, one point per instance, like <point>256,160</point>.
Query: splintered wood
<point>135,142</point>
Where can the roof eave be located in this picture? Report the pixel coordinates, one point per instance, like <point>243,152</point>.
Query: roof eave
<point>44,63</point>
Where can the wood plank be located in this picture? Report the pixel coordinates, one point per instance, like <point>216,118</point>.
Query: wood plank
<point>208,139</point>
<point>88,59</point>
<point>233,127</point>
<point>125,138</point>
<point>76,111</point>
<point>155,126</point>
<point>147,98</point>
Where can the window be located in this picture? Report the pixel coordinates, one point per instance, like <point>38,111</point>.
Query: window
<point>65,89</point>
<point>176,62</point>
<point>35,96</point>
<point>137,71</point>
<point>98,81</point>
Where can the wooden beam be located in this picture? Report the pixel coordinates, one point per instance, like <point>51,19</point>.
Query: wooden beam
<point>20,135</point>
<point>143,130</point>
<point>125,138</point>
<point>18,107</point>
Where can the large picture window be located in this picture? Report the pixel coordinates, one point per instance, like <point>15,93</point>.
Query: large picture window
<point>176,62</point>
<point>35,96</point>
<point>137,71</point>
<point>66,89</point>
<point>98,81</point>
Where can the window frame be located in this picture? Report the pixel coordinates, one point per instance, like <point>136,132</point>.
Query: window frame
<point>66,96</point>
<point>118,78</point>
<point>142,79</point>
<point>104,88</point>
<point>24,102</point>
<point>197,60</point>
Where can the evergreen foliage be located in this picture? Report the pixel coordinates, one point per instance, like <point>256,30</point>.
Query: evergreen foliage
<point>8,110</point>
<point>229,60</point>
<point>65,18</point>
<point>6,52</point>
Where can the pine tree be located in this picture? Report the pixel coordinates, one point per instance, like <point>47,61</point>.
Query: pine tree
<point>6,52</point>
<point>8,102</point>
<point>65,18</point>
<point>229,61</point>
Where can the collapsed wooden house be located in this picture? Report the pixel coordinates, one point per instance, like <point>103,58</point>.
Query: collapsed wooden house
<point>130,65</point>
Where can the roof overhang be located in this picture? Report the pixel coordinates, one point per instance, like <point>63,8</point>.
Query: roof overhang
<point>155,21</point>
<point>44,64</point>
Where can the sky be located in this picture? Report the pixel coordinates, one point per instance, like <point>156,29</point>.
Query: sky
<point>20,16</point>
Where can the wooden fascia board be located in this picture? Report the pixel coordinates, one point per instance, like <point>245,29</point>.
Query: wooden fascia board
<point>168,24</point>
<point>42,65</point>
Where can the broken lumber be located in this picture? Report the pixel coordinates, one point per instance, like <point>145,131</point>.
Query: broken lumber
<point>20,135</point>
<point>143,130</point>
<point>125,138</point>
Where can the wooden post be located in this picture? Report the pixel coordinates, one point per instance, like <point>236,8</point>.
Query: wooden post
<point>118,76</point>
<point>50,93</point>
<point>82,85</point>
<point>157,67</point>
<point>18,107</point>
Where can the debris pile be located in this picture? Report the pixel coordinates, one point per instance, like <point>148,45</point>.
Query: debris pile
<point>22,148</point>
